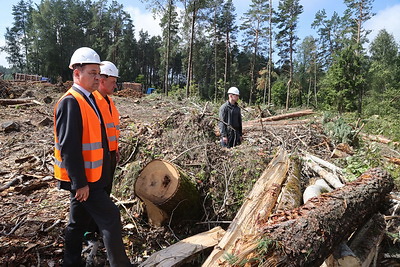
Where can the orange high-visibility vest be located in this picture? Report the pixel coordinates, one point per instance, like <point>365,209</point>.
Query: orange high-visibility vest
<point>92,149</point>
<point>111,120</point>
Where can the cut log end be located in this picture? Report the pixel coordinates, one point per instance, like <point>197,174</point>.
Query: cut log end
<point>168,193</point>
<point>157,182</point>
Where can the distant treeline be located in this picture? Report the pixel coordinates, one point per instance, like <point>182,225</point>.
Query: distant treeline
<point>199,53</point>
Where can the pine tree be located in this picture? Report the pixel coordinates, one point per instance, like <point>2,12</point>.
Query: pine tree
<point>255,31</point>
<point>17,39</point>
<point>287,18</point>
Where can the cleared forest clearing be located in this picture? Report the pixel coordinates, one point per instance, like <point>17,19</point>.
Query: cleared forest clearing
<point>34,213</point>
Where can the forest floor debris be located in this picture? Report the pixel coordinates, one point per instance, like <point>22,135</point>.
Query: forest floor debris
<point>33,213</point>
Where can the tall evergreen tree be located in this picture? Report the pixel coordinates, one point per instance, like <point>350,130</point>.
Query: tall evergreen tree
<point>307,68</point>
<point>17,39</point>
<point>332,33</point>
<point>255,31</point>
<point>384,71</point>
<point>358,12</point>
<point>343,80</point>
<point>228,30</point>
<point>287,18</point>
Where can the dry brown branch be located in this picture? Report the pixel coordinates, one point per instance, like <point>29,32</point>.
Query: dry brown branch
<point>332,179</point>
<point>19,101</point>
<point>14,181</point>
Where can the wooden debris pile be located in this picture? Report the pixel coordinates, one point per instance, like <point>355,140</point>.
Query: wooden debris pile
<point>269,230</point>
<point>129,93</point>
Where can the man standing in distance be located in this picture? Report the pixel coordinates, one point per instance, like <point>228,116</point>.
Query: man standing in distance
<point>230,120</point>
<point>82,163</point>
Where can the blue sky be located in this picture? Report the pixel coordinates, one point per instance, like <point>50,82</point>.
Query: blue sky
<point>387,16</point>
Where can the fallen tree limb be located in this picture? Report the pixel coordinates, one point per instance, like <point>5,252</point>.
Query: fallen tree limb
<point>257,207</point>
<point>378,138</point>
<point>257,122</point>
<point>11,101</point>
<point>308,235</point>
<point>180,252</point>
<point>335,169</point>
<point>332,179</point>
<point>316,189</point>
<point>296,114</point>
<point>14,181</point>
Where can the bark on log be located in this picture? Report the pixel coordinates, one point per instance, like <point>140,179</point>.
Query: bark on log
<point>168,193</point>
<point>308,235</point>
<point>179,253</point>
<point>257,207</point>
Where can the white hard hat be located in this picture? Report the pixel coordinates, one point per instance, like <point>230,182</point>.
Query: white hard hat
<point>84,55</point>
<point>233,90</point>
<point>108,68</point>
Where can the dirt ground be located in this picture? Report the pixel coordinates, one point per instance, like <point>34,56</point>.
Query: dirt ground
<point>33,212</point>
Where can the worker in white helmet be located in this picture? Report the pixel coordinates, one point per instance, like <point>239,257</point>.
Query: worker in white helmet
<point>110,114</point>
<point>82,163</point>
<point>230,120</point>
<point>108,83</point>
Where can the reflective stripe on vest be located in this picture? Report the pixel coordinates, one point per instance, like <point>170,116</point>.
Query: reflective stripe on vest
<point>92,149</point>
<point>111,120</point>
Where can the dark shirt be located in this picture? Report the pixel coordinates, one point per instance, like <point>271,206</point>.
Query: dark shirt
<point>231,115</point>
<point>69,131</point>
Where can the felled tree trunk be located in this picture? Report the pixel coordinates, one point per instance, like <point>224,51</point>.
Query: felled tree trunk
<point>308,235</point>
<point>168,193</point>
<point>257,206</point>
<point>289,115</point>
<point>291,196</point>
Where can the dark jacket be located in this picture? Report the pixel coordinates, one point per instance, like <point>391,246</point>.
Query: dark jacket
<point>230,124</point>
<point>69,132</point>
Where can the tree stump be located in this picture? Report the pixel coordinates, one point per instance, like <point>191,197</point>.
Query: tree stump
<point>168,193</point>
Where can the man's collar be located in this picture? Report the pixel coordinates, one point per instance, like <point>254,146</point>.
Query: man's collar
<point>83,90</point>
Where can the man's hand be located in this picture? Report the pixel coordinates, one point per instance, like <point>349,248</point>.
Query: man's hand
<point>225,140</point>
<point>82,193</point>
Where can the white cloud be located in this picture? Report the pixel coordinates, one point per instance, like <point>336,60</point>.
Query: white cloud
<point>387,19</point>
<point>144,21</point>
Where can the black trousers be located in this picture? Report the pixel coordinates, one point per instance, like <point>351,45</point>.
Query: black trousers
<point>106,214</point>
<point>92,227</point>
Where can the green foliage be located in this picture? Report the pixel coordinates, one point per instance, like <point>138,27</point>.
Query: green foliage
<point>344,82</point>
<point>279,93</point>
<point>338,129</point>
<point>365,158</point>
